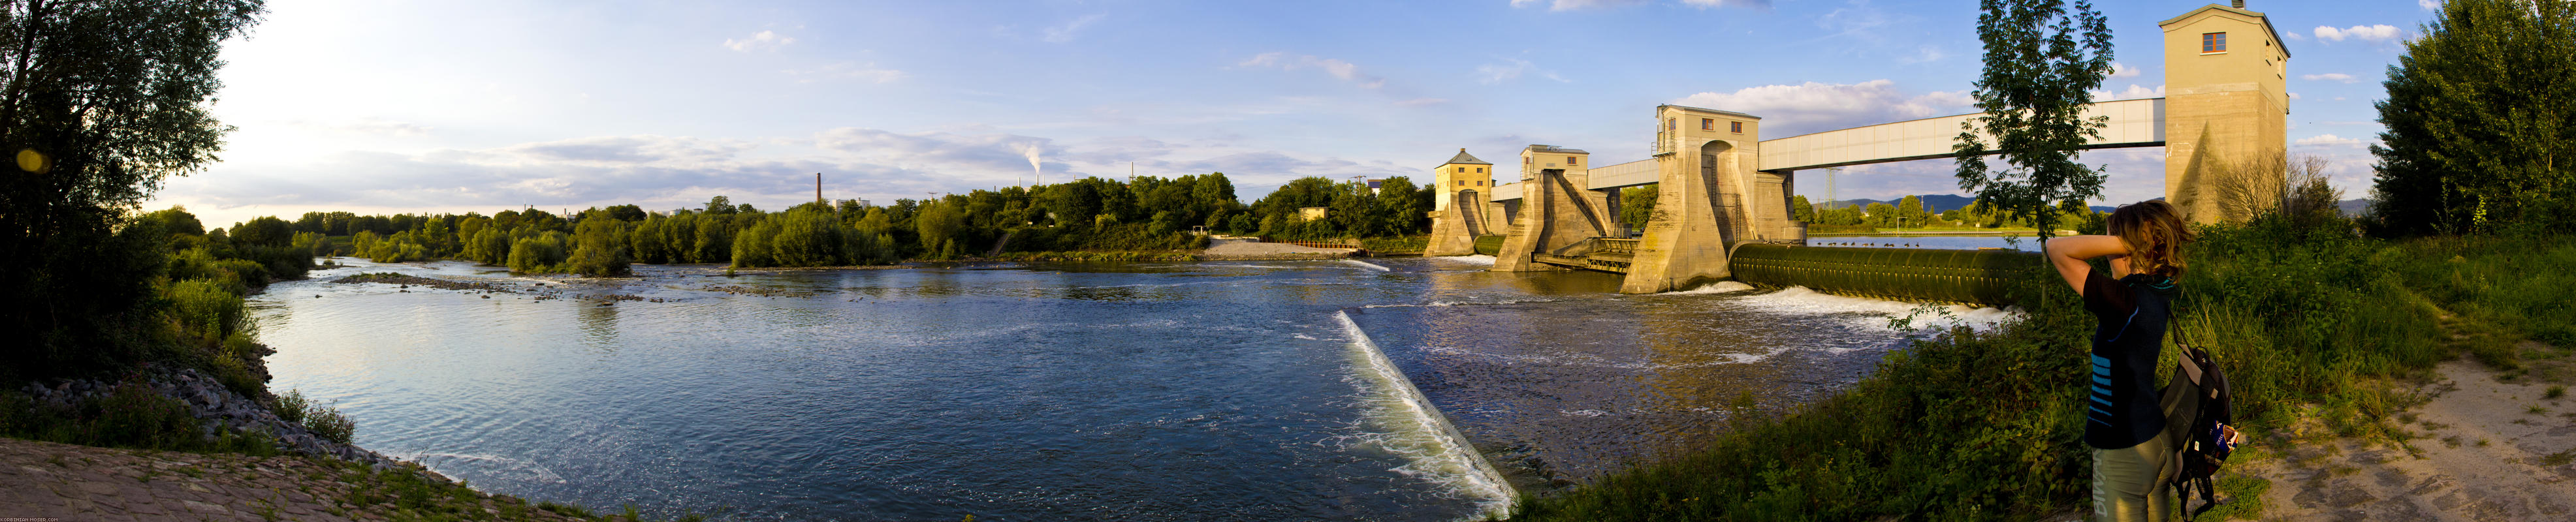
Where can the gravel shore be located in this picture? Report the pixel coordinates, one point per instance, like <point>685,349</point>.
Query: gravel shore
<point>1248,249</point>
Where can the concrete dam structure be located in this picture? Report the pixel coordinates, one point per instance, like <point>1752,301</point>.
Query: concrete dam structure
<point>1721,189</point>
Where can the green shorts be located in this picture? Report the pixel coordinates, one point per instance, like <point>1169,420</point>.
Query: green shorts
<point>2128,483</point>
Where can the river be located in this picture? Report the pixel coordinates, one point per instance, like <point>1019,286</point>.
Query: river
<point>1268,390</point>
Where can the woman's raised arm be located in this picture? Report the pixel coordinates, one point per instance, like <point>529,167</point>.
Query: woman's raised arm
<point>2067,254</point>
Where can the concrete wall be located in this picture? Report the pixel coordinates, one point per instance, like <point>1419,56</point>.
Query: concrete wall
<point>1556,213</point>
<point>2223,109</point>
<point>1701,205</point>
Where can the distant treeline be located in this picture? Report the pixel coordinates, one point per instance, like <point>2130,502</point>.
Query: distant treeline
<point>1092,214</point>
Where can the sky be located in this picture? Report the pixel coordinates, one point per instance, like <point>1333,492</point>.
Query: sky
<point>388,106</point>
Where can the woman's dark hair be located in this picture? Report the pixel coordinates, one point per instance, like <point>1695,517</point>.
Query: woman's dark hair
<point>2154,232</point>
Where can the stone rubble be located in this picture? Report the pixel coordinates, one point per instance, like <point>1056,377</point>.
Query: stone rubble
<point>210,401</point>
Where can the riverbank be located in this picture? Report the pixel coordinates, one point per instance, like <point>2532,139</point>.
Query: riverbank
<point>2319,332</point>
<point>68,482</point>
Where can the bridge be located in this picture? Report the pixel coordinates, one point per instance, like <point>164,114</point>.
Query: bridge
<point>1720,186</point>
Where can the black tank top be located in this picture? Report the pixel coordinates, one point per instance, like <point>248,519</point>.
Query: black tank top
<point>2121,407</point>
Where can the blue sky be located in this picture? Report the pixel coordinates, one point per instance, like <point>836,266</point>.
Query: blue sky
<point>380,106</point>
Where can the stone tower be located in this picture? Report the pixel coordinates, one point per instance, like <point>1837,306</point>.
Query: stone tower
<point>1463,185</point>
<point>2226,106</point>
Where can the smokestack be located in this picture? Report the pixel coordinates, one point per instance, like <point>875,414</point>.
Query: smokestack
<point>818,188</point>
<point>2240,4</point>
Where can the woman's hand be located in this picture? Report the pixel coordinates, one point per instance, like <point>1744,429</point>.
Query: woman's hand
<point>2067,254</point>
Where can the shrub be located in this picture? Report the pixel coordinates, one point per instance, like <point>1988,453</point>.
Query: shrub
<point>329,424</point>
<point>536,254</point>
<point>133,415</point>
<point>290,406</point>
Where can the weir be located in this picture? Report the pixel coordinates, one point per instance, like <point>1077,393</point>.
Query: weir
<point>1982,277</point>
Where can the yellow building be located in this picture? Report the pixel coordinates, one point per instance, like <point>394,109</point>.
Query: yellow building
<point>2226,101</point>
<point>1463,172</point>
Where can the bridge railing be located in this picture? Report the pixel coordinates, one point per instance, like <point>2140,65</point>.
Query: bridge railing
<point>1609,245</point>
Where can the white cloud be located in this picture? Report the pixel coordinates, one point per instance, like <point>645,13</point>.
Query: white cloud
<point>868,72</point>
<point>760,41</point>
<point>1923,54</point>
<point>2367,33</point>
<point>1574,5</point>
<point>370,125</point>
<point>1498,73</point>
<point>1422,102</point>
<point>2331,140</point>
<point>2294,96</point>
<point>2122,70</point>
<point>2429,5</point>
<point>1339,69</point>
<point>1790,110</point>
<point>2340,77</point>
<point>1765,4</point>
<point>2134,92</point>
<point>1064,33</point>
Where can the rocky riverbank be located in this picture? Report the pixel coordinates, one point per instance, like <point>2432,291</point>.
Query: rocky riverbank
<point>218,408</point>
<point>49,481</point>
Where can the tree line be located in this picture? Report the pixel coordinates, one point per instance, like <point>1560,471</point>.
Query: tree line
<point>1090,214</point>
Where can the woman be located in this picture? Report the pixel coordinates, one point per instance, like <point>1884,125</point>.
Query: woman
<point>2123,424</point>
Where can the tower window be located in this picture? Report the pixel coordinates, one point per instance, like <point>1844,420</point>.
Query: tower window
<point>1462,169</point>
<point>1735,127</point>
<point>1480,170</point>
<point>1707,124</point>
<point>2213,43</point>
<point>1570,160</point>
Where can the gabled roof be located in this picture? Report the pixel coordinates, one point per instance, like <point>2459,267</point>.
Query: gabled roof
<point>2258,17</point>
<point>1463,159</point>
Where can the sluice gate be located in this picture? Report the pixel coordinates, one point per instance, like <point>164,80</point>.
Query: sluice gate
<point>1983,277</point>
<point>1489,245</point>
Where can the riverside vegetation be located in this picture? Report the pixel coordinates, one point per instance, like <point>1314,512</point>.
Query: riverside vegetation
<point>2312,321</point>
<point>2306,318</point>
<point>1091,219</point>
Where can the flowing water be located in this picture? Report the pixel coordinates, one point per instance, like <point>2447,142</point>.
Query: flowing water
<point>1272,390</point>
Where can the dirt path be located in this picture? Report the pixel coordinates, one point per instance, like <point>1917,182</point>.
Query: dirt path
<point>2485,451</point>
<point>44,480</point>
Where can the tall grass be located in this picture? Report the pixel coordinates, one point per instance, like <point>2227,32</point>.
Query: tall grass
<point>1985,425</point>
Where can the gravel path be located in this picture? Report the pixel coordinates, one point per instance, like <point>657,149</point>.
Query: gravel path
<point>44,480</point>
<point>2488,451</point>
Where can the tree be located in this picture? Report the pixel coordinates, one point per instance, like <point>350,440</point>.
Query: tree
<point>1799,208</point>
<point>1637,205</point>
<point>2481,119</point>
<point>599,247</point>
<point>99,103</point>
<point>1911,208</point>
<point>2042,65</point>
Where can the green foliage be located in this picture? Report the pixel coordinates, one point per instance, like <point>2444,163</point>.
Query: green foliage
<point>2481,122</point>
<point>539,254</point>
<point>1981,425</point>
<point>2042,64</point>
<point>600,248</point>
<point>328,423</point>
<point>1801,210</point>
<point>1637,205</point>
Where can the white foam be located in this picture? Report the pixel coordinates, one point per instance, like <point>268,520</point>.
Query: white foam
<point>1369,265</point>
<point>1477,259</point>
<point>1441,304</point>
<point>1720,287</point>
<point>1417,430</point>
<point>1799,299</point>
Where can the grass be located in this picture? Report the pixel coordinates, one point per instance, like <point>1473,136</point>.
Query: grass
<point>1985,425</point>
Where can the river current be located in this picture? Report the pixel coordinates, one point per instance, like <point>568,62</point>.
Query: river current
<point>1254,390</point>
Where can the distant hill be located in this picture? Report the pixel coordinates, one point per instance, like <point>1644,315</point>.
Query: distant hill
<point>1938,202</point>
<point>1945,202</point>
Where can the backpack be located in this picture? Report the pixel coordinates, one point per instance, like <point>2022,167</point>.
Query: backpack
<point>2197,407</point>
